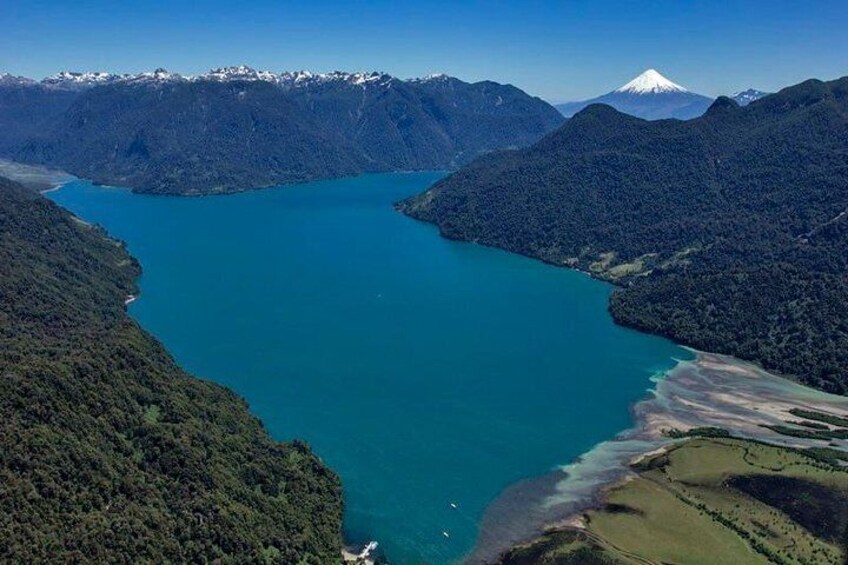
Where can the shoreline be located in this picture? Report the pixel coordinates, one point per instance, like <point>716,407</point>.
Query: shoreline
<point>583,483</point>
<point>711,390</point>
<point>57,186</point>
<point>360,555</point>
<point>35,177</point>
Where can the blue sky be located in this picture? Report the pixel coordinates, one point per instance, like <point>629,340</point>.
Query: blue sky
<point>557,50</point>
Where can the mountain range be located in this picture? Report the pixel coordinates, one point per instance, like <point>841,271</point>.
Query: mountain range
<point>236,128</point>
<point>727,232</point>
<point>652,96</point>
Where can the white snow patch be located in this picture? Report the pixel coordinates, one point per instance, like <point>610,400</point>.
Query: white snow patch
<point>650,82</point>
<point>287,80</point>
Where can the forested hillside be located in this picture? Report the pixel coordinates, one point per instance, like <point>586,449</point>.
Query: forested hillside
<point>728,232</point>
<point>236,128</point>
<point>109,452</point>
<point>181,137</point>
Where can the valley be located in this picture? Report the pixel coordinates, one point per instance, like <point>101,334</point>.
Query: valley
<point>423,379</point>
<point>710,393</point>
<point>501,283</point>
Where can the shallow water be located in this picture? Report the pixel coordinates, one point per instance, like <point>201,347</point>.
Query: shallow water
<point>710,391</point>
<point>425,372</point>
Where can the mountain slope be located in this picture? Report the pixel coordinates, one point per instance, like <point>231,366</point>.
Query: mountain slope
<point>108,450</point>
<point>237,128</point>
<point>27,109</point>
<point>650,96</point>
<point>730,231</point>
<point>191,138</point>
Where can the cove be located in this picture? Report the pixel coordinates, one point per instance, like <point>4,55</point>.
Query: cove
<point>428,373</point>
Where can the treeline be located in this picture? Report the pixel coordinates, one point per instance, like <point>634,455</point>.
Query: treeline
<point>728,232</point>
<point>109,452</point>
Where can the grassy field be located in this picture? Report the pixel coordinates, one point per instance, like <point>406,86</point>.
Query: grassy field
<point>713,500</point>
<point>637,521</point>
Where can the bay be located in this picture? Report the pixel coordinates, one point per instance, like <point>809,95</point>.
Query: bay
<point>430,374</point>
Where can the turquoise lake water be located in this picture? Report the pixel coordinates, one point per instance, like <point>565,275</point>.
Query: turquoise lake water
<point>424,371</point>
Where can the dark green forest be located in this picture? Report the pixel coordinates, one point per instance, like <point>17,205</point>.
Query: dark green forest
<point>109,452</point>
<point>728,232</point>
<point>207,136</point>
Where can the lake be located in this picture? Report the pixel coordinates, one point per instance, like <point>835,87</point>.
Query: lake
<point>430,374</point>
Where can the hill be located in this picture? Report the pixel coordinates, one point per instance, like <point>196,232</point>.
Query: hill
<point>236,128</point>
<point>108,450</point>
<point>728,232</point>
<point>650,96</point>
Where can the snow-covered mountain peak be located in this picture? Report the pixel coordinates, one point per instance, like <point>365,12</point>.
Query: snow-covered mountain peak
<point>74,76</point>
<point>296,77</point>
<point>73,79</point>
<point>159,75</point>
<point>358,78</point>
<point>239,72</point>
<point>369,78</point>
<point>650,82</point>
<point>437,78</point>
<point>745,97</point>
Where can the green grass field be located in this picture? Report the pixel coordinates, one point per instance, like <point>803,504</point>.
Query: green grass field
<point>716,500</point>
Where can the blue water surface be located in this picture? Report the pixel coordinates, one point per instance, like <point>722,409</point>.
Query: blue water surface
<point>426,372</point>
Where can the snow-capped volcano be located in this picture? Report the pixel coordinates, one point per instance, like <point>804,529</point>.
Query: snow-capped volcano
<point>650,96</point>
<point>650,82</point>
